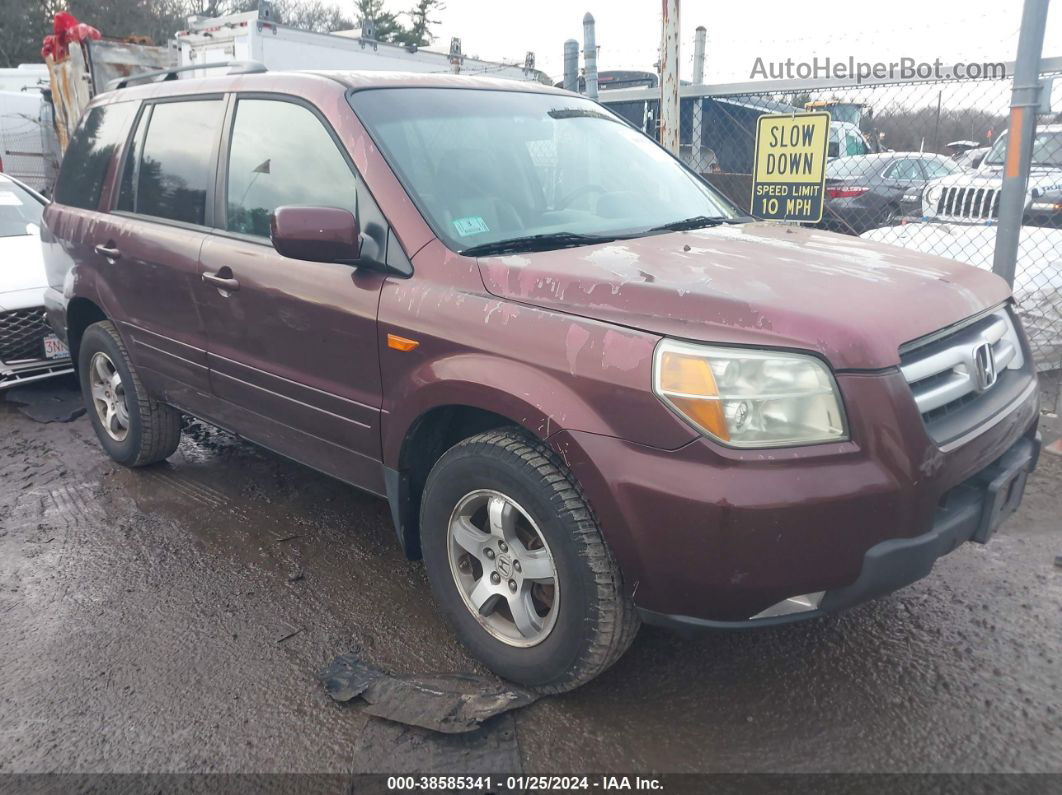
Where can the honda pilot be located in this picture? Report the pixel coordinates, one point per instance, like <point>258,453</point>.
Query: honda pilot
<point>593,392</point>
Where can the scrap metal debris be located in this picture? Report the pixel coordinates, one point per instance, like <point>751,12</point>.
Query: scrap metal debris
<point>448,703</point>
<point>387,747</point>
<point>58,400</point>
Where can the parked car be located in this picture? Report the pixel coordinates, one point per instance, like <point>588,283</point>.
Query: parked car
<point>592,395</point>
<point>972,197</point>
<point>870,191</point>
<point>970,159</point>
<point>29,351</point>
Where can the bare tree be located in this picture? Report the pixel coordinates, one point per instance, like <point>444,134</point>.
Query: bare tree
<point>318,15</point>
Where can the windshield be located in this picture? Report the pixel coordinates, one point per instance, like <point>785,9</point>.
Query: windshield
<point>20,210</point>
<point>1046,151</point>
<point>489,166</point>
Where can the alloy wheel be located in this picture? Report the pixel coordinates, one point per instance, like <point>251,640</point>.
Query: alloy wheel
<point>503,568</point>
<point>108,396</point>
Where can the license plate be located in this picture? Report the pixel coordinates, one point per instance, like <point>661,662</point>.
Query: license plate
<point>55,348</point>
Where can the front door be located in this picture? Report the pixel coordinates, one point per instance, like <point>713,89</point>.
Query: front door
<point>291,345</point>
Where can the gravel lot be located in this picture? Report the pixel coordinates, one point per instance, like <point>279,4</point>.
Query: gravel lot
<point>175,619</point>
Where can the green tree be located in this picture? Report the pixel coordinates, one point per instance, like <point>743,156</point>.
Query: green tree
<point>386,23</point>
<point>419,34</point>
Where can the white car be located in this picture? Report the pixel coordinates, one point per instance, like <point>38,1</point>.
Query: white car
<point>972,197</point>
<point>29,351</point>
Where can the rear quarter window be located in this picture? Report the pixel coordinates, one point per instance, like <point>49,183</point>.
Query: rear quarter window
<point>92,148</point>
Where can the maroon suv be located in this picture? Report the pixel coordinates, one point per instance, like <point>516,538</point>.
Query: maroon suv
<point>592,391</point>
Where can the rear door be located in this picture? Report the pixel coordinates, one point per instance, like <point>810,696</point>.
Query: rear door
<point>75,222</point>
<point>293,344</point>
<point>164,204</point>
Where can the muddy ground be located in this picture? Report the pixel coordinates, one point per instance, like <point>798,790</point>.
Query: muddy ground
<point>175,619</point>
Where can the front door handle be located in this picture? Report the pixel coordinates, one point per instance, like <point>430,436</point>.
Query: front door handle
<point>226,283</point>
<point>109,252</point>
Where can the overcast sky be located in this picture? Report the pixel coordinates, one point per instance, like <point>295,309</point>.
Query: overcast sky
<point>628,32</point>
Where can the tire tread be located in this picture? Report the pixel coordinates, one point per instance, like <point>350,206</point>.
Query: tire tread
<point>614,623</point>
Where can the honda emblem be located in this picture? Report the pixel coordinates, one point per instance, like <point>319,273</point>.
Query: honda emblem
<point>985,366</point>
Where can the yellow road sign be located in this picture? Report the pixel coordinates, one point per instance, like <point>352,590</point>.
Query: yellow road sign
<point>789,171</point>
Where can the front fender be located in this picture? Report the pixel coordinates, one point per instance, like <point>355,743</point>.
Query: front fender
<point>543,370</point>
<point>535,400</point>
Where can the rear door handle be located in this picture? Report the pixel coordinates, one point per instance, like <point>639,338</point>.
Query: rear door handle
<point>228,284</point>
<point>110,253</point>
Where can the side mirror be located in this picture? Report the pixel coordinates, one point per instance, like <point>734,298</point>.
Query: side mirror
<point>317,234</point>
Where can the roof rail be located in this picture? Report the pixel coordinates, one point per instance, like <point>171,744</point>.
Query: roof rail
<point>234,67</point>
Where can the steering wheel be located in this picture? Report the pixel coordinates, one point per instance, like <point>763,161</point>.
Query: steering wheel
<point>579,192</point>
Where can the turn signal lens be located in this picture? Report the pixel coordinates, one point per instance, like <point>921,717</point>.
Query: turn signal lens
<point>689,383</point>
<point>750,398</point>
<point>401,343</point>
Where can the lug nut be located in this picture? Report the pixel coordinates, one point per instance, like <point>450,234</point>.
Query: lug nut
<point>512,585</point>
<point>495,577</point>
<point>516,565</point>
<point>490,554</point>
<point>502,547</point>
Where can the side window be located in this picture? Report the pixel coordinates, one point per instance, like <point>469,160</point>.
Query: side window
<point>939,168</point>
<point>173,176</point>
<point>281,154</point>
<point>904,169</point>
<point>99,136</point>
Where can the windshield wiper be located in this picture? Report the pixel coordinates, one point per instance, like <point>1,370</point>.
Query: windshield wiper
<point>544,242</point>
<point>699,222</point>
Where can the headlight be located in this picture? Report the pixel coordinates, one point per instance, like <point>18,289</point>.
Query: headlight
<point>1047,206</point>
<point>932,194</point>
<point>749,398</point>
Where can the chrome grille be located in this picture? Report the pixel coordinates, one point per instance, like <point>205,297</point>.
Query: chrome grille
<point>22,334</point>
<point>951,373</point>
<point>969,203</point>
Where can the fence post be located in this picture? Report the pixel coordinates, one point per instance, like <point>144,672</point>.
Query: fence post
<point>696,134</point>
<point>669,78</point>
<point>590,55</point>
<point>571,65</point>
<point>1025,100</point>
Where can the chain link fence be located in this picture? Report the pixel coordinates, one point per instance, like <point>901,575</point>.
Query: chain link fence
<point>27,151</point>
<point>915,163</point>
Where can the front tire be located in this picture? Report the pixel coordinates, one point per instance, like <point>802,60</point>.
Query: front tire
<point>132,427</point>
<point>518,565</point>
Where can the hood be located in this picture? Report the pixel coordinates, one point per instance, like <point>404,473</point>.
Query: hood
<point>852,301</point>
<point>22,277</point>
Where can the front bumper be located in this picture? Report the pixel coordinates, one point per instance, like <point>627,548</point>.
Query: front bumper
<point>710,536</point>
<point>12,375</point>
<point>971,512</point>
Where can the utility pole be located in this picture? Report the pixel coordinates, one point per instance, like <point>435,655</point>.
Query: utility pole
<point>571,65</point>
<point>700,36</point>
<point>590,55</point>
<point>455,55</point>
<point>669,77</point>
<point>1024,103</point>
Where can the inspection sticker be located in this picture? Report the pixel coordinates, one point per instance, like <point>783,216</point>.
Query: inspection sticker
<point>7,198</point>
<point>789,172</point>
<point>470,225</point>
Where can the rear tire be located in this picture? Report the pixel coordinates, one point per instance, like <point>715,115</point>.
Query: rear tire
<point>132,427</point>
<point>587,621</point>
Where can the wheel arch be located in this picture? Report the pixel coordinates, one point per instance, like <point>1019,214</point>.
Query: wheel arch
<point>431,434</point>
<point>80,314</point>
